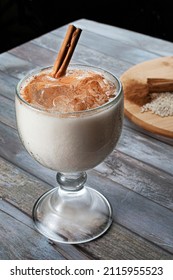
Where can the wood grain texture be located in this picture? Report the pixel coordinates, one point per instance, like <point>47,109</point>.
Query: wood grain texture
<point>157,68</point>
<point>14,66</point>
<point>112,190</point>
<point>111,46</point>
<point>136,177</point>
<point>142,41</point>
<point>22,242</point>
<point>34,54</point>
<point>20,190</point>
<point>7,112</point>
<point>8,85</point>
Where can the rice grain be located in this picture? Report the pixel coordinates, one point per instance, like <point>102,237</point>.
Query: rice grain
<point>161,104</point>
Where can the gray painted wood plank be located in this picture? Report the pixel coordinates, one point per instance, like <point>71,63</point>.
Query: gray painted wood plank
<point>19,241</point>
<point>18,193</point>
<point>34,54</point>
<point>121,244</point>
<point>142,41</point>
<point>7,111</point>
<point>14,66</point>
<point>7,85</point>
<point>111,47</point>
<point>147,149</point>
<point>44,56</point>
<point>135,127</point>
<point>102,181</point>
<point>137,213</point>
<point>135,175</point>
<point>20,189</point>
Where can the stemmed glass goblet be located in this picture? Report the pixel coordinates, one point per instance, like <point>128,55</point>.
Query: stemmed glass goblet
<point>71,143</point>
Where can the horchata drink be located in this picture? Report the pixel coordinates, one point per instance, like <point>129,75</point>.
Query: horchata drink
<point>70,123</point>
<point>69,118</point>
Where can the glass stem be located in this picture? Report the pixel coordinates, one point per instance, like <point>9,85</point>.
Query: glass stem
<point>71,181</point>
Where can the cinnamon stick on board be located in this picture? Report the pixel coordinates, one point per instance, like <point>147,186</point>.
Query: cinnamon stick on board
<point>159,85</point>
<point>66,51</point>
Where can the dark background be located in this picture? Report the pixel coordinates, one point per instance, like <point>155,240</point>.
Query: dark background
<point>22,20</point>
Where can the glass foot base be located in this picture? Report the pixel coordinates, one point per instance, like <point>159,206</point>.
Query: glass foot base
<point>72,217</point>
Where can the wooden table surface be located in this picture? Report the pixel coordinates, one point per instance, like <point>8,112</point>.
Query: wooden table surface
<point>137,177</point>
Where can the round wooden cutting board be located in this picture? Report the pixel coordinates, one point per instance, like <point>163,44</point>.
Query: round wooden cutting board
<point>156,68</point>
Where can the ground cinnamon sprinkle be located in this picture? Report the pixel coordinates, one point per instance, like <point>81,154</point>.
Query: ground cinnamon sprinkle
<point>136,92</point>
<point>77,90</point>
<point>155,95</point>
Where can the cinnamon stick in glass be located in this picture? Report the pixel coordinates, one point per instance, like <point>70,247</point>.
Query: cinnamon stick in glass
<point>66,51</point>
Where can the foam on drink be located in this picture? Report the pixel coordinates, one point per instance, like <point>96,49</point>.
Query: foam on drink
<point>78,90</point>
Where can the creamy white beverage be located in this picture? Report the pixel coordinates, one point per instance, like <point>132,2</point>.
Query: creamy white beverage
<point>71,123</point>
